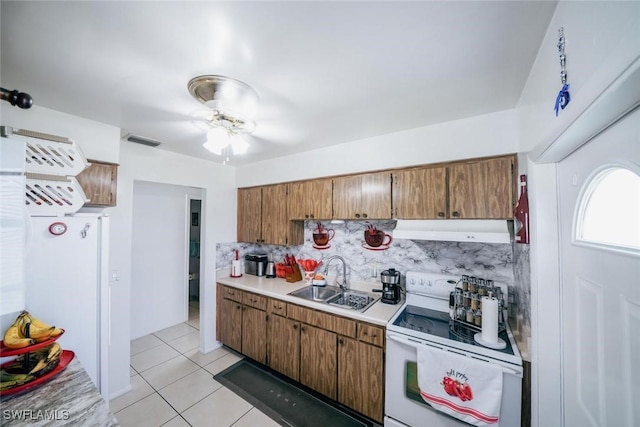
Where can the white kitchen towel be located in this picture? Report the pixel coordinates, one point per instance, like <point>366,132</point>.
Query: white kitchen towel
<point>466,388</point>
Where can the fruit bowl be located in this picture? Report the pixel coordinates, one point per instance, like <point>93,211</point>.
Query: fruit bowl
<point>6,351</point>
<point>65,358</point>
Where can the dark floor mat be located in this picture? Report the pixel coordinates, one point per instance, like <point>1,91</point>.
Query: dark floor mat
<point>284,401</point>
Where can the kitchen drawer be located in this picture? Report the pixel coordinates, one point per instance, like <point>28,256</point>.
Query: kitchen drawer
<point>327,321</point>
<point>255,301</point>
<point>232,294</point>
<point>277,307</point>
<point>371,334</point>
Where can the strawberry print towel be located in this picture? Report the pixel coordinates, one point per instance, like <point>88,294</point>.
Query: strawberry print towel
<point>463,387</point>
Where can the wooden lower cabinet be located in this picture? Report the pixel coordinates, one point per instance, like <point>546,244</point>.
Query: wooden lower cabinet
<point>231,319</point>
<point>254,334</point>
<point>336,356</point>
<point>283,351</point>
<point>361,377</point>
<point>318,367</point>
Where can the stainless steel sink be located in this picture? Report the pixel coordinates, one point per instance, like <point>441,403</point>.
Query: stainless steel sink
<point>352,300</point>
<point>316,293</point>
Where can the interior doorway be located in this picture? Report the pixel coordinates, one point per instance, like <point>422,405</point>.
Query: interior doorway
<point>195,224</point>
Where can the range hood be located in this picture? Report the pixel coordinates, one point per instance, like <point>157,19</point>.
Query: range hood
<point>454,230</point>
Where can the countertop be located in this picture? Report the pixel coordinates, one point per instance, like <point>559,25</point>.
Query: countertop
<point>70,398</point>
<point>378,314</point>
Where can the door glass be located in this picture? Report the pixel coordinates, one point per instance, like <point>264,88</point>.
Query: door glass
<point>609,212</point>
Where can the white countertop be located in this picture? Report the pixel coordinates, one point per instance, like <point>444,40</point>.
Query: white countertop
<point>378,314</point>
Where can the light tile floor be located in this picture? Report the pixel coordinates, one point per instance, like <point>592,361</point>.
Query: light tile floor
<point>172,384</point>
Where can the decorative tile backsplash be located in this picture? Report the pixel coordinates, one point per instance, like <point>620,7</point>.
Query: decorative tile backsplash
<point>505,263</point>
<point>488,260</point>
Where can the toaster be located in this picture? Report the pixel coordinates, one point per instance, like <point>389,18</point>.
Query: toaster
<point>255,264</point>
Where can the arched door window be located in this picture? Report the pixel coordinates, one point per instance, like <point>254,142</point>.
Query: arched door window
<point>609,211</point>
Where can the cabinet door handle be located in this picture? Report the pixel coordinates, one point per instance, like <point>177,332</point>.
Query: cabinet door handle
<point>340,341</point>
<point>364,215</point>
<point>441,214</point>
<point>357,215</point>
<point>306,215</point>
<point>455,214</point>
<point>295,326</point>
<point>303,329</point>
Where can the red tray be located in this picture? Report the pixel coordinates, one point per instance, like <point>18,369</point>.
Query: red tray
<point>65,358</point>
<point>5,351</point>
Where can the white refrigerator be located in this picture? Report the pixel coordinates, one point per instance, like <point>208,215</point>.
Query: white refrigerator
<point>66,285</point>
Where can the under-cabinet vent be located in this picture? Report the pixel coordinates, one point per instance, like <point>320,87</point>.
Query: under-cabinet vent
<point>140,140</point>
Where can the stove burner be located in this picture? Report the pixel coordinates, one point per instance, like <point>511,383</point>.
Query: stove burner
<point>417,324</point>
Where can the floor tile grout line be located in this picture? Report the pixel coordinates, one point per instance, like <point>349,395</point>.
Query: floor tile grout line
<point>243,415</point>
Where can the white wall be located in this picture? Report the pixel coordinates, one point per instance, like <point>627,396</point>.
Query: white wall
<point>141,163</point>
<point>480,136</point>
<point>96,140</point>
<point>602,41</point>
<point>159,256</point>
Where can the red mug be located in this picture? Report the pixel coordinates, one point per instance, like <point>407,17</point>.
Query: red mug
<point>323,238</point>
<point>376,238</point>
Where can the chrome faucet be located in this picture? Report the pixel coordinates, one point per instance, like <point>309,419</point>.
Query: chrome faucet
<point>344,285</point>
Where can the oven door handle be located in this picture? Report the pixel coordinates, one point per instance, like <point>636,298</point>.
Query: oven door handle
<point>415,345</point>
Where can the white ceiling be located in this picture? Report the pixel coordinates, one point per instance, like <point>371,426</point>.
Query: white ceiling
<point>326,72</point>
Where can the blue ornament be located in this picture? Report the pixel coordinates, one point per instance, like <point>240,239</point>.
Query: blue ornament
<point>563,98</point>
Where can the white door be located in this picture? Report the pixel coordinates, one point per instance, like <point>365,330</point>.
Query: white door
<point>600,283</point>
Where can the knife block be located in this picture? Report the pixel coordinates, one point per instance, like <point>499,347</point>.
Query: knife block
<point>295,275</point>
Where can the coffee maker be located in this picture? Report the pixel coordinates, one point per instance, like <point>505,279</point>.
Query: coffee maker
<point>390,286</point>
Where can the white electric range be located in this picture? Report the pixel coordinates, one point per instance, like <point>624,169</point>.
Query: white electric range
<point>424,320</point>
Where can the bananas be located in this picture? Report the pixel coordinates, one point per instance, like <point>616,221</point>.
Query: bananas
<point>8,380</point>
<point>29,366</point>
<point>39,330</point>
<point>13,337</point>
<point>27,330</point>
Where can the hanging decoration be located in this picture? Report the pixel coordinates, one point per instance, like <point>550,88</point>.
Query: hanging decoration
<point>563,98</point>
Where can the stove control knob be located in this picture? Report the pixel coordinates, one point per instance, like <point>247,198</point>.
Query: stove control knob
<point>421,282</point>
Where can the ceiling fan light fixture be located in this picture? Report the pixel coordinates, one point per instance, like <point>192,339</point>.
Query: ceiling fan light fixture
<point>239,146</point>
<point>231,104</point>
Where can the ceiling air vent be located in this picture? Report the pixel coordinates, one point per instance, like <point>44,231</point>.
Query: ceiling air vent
<point>140,140</point>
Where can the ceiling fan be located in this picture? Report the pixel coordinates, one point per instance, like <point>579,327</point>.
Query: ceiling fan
<point>230,106</point>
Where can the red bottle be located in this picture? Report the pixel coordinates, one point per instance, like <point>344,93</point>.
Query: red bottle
<point>521,222</point>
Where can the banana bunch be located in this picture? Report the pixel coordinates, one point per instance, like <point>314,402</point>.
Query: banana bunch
<point>9,380</point>
<point>29,366</point>
<point>27,330</point>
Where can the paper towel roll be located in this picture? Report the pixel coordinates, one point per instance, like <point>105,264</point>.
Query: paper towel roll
<point>490,319</point>
<point>236,268</point>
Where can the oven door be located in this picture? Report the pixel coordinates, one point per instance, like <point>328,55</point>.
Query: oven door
<point>403,404</point>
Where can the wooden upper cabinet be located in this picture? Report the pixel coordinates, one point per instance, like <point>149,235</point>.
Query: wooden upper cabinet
<point>366,196</point>
<point>482,189</point>
<point>420,193</point>
<point>263,216</point>
<point>275,220</point>
<point>99,183</point>
<point>250,214</point>
<point>310,199</point>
